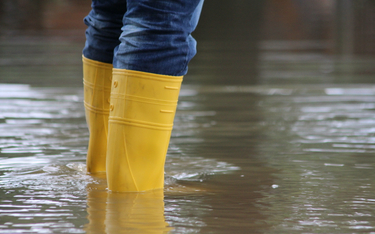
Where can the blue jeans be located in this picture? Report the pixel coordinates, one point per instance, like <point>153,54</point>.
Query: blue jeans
<point>143,35</point>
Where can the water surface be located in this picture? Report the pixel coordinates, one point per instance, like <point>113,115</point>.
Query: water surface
<point>267,159</point>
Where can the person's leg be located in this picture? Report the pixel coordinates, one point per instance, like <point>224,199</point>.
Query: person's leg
<point>156,36</point>
<point>104,24</point>
<point>156,47</point>
<point>104,28</point>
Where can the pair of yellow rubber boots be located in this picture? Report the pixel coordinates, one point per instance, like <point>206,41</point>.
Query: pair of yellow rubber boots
<point>130,118</point>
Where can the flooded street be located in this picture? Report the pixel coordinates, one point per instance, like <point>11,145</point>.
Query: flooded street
<point>270,136</point>
<point>265,159</point>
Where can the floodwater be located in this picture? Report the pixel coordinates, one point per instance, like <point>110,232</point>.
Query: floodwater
<point>290,149</point>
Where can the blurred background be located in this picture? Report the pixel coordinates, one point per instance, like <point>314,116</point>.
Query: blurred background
<point>239,42</point>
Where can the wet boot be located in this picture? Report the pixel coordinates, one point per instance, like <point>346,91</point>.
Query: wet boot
<point>97,88</point>
<point>142,110</point>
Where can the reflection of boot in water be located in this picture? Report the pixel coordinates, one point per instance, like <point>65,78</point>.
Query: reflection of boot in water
<point>97,87</point>
<point>96,206</point>
<point>136,213</point>
<point>124,212</point>
<point>141,117</point>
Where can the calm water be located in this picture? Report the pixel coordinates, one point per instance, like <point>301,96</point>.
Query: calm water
<point>270,137</point>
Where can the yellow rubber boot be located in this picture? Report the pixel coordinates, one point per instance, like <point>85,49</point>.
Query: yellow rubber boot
<point>142,111</point>
<point>97,78</point>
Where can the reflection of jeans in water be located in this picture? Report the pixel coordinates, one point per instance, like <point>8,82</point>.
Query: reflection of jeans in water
<point>143,35</point>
